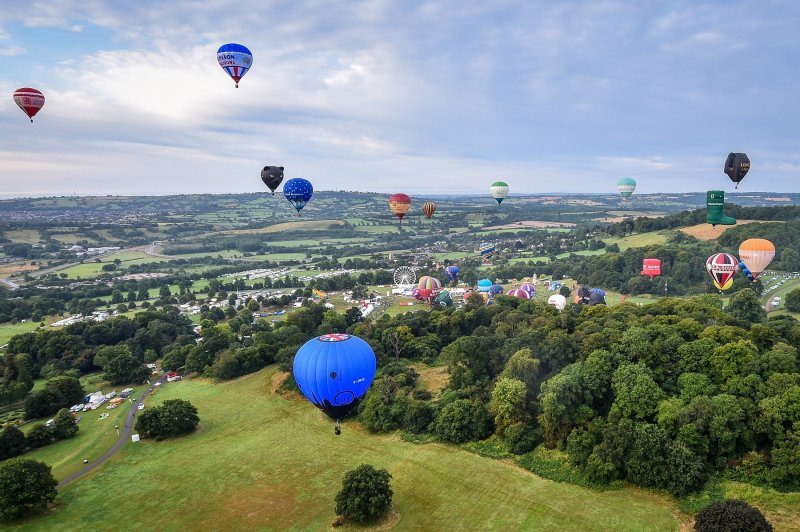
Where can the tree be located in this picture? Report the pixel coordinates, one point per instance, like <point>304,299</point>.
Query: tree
<point>352,316</point>
<point>366,494</point>
<point>509,404</point>
<point>637,394</point>
<point>792,302</point>
<point>39,436</point>
<point>124,369</point>
<point>12,442</point>
<point>744,305</point>
<point>26,486</point>
<point>462,421</point>
<point>64,425</point>
<point>172,418</point>
<point>107,353</point>
<point>731,515</point>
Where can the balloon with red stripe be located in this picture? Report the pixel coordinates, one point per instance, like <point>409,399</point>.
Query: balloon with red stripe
<point>29,100</point>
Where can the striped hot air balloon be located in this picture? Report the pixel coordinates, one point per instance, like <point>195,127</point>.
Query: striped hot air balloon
<point>626,186</point>
<point>429,287</point>
<point>528,287</point>
<point>721,268</point>
<point>29,100</point>
<point>756,253</point>
<point>499,191</point>
<point>428,208</point>
<point>235,59</point>
<point>520,293</point>
<point>399,204</point>
<point>486,250</point>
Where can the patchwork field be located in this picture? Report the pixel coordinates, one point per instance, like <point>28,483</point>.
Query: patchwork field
<point>709,232</point>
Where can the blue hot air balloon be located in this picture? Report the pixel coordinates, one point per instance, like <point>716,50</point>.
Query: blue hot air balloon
<point>235,59</point>
<point>452,273</point>
<point>334,371</point>
<point>298,191</point>
<point>495,289</point>
<point>484,285</point>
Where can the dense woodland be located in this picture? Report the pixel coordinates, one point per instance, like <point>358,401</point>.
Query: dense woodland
<point>664,396</point>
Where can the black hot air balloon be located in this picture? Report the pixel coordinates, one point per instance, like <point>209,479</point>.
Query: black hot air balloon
<point>272,177</point>
<point>736,167</point>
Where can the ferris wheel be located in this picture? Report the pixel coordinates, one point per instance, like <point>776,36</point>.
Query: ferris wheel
<point>404,276</point>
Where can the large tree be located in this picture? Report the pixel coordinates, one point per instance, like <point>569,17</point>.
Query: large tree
<point>366,494</point>
<point>12,442</point>
<point>172,418</point>
<point>124,369</point>
<point>26,487</point>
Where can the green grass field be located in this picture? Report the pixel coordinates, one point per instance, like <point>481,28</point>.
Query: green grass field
<point>7,330</point>
<point>260,461</point>
<point>639,240</point>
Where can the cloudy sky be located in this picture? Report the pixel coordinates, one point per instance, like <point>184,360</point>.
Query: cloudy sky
<point>386,96</point>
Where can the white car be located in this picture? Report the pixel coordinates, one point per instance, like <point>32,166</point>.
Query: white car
<point>140,407</point>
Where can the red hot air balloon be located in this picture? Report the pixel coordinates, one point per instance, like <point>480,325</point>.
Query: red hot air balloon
<point>399,203</point>
<point>651,268</point>
<point>29,100</point>
<point>722,267</point>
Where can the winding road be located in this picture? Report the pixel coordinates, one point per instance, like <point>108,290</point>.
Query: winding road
<point>123,437</point>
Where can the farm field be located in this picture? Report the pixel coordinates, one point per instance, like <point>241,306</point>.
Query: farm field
<point>709,232</point>
<point>639,240</point>
<point>241,458</point>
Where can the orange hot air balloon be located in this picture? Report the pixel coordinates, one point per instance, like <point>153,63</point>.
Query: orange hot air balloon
<point>428,208</point>
<point>756,253</point>
<point>399,203</point>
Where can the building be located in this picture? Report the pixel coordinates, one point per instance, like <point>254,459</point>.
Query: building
<point>172,377</point>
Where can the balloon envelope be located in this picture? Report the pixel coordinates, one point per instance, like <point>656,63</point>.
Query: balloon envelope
<point>736,167</point>
<point>484,285</point>
<point>528,287</point>
<point>399,204</point>
<point>334,371</point>
<point>452,273</point>
<point>298,192</point>
<point>558,301</point>
<point>428,286</point>
<point>495,289</point>
<point>626,186</point>
<point>235,59</point>
<point>499,191</point>
<point>29,100</point>
<point>757,253</point>
<point>520,293</point>
<point>272,176</point>
<point>721,268</point>
<point>428,208</point>
<point>651,267</point>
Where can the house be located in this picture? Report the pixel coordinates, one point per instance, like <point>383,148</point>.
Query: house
<point>172,377</point>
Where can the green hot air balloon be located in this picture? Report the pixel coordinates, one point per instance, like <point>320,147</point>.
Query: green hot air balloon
<point>499,191</point>
<point>626,186</point>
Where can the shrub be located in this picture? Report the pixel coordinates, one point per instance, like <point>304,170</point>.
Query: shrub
<point>523,438</point>
<point>731,516</point>
<point>462,421</point>
<point>12,442</point>
<point>39,436</point>
<point>366,494</point>
<point>418,417</point>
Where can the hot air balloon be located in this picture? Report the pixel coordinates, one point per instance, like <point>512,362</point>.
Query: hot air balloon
<point>626,186</point>
<point>415,294</point>
<point>715,209</point>
<point>452,273</point>
<point>651,268</point>
<point>486,250</point>
<point>495,289</point>
<point>484,285</point>
<point>444,299</point>
<point>597,296</point>
<point>722,267</point>
<point>297,192</point>
<point>499,191</point>
<point>528,287</point>
<point>558,301</point>
<point>272,177</point>
<point>429,287</point>
<point>746,271</point>
<point>736,167</point>
<point>756,253</point>
<point>235,59</point>
<point>428,208</point>
<point>520,293</point>
<point>582,295</point>
<point>29,100</point>
<point>399,203</point>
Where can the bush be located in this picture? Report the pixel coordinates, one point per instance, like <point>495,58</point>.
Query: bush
<point>523,438</point>
<point>462,421</point>
<point>731,516</point>
<point>26,486</point>
<point>39,436</point>
<point>366,494</point>
<point>64,425</point>
<point>12,442</point>
<point>418,417</point>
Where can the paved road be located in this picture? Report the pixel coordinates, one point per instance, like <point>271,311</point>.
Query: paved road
<point>124,436</point>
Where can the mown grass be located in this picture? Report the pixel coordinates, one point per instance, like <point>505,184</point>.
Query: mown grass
<point>260,461</point>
